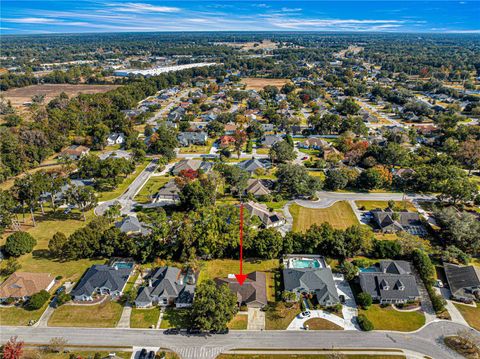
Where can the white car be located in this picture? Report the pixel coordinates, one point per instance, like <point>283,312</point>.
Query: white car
<point>305,314</point>
<point>439,283</point>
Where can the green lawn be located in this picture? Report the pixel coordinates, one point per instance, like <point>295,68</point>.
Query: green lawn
<point>103,315</point>
<point>175,318</point>
<point>391,319</point>
<point>106,196</point>
<point>321,324</point>
<point>222,267</point>
<point>305,356</point>
<point>151,188</point>
<point>239,322</point>
<point>200,149</point>
<point>318,174</point>
<point>32,353</point>
<point>263,151</point>
<point>276,205</point>
<point>19,315</point>
<point>131,282</point>
<point>279,315</point>
<point>144,318</point>
<point>471,315</point>
<point>369,205</point>
<point>340,215</point>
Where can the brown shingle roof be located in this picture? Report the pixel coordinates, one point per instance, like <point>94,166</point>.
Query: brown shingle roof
<point>24,284</point>
<point>253,291</point>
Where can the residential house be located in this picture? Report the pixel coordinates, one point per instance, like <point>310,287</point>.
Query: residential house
<point>389,221</point>
<point>226,141</point>
<point>131,226</point>
<point>253,164</point>
<point>115,138</point>
<point>463,281</point>
<point>314,143</point>
<point>253,292</point>
<point>176,114</point>
<point>74,152</point>
<point>259,187</point>
<point>192,138</point>
<point>391,282</point>
<point>169,192</point>
<point>309,274</point>
<point>330,152</point>
<point>167,286</point>
<point>268,218</point>
<point>230,128</point>
<point>270,140</point>
<point>101,279</point>
<point>22,285</point>
<point>190,164</point>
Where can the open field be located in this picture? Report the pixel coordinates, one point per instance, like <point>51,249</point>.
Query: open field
<point>369,205</point>
<point>340,215</point>
<point>144,318</point>
<point>103,315</point>
<point>471,315</point>
<point>151,188</point>
<point>391,319</point>
<point>222,267</point>
<point>19,96</point>
<point>257,83</point>
<point>239,322</point>
<point>279,315</point>
<point>321,324</point>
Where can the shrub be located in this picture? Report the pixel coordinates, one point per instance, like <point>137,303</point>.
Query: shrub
<point>364,323</point>
<point>37,300</point>
<point>364,300</point>
<point>62,298</point>
<point>19,243</point>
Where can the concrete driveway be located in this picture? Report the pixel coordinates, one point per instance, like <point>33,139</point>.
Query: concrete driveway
<point>349,309</point>
<point>455,314</point>
<point>256,319</point>
<point>299,323</point>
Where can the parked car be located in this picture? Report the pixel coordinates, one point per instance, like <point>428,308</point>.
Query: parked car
<point>304,158</point>
<point>60,290</point>
<point>194,331</point>
<point>439,283</point>
<point>305,314</point>
<point>221,331</point>
<point>172,331</point>
<point>151,355</point>
<point>143,354</point>
<point>342,298</point>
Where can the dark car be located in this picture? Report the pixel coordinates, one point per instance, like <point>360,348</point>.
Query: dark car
<point>221,331</point>
<point>143,354</point>
<point>151,355</point>
<point>60,290</point>
<point>194,331</point>
<point>172,331</point>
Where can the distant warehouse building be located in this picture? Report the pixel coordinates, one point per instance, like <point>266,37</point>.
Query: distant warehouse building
<point>160,70</point>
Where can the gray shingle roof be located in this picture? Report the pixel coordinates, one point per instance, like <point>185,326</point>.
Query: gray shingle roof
<point>252,164</point>
<point>461,277</point>
<point>102,276</point>
<point>387,286</point>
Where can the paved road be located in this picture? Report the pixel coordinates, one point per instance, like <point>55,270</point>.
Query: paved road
<point>165,110</point>
<point>427,341</point>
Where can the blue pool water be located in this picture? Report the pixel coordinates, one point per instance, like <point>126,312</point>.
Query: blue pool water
<point>305,263</point>
<point>368,269</point>
<point>123,265</point>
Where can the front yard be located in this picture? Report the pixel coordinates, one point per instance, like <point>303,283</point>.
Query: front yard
<point>279,315</point>
<point>321,324</point>
<point>200,149</point>
<point>471,314</point>
<point>144,318</point>
<point>175,318</point>
<point>103,315</point>
<point>223,267</point>
<point>239,322</point>
<point>151,188</point>
<point>19,315</point>
<point>340,215</point>
<point>391,319</point>
<point>370,205</point>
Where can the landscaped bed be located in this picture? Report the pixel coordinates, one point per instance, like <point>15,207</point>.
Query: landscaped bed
<point>390,319</point>
<point>470,314</point>
<point>340,215</point>
<point>239,322</point>
<point>103,315</point>
<point>321,324</point>
<point>144,318</point>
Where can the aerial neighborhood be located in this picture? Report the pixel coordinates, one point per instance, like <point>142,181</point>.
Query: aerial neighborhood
<point>342,184</point>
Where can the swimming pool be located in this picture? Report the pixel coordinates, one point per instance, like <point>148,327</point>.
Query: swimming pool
<point>368,269</point>
<point>305,263</point>
<point>123,265</point>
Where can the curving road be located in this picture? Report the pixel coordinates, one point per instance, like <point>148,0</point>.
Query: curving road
<point>428,340</point>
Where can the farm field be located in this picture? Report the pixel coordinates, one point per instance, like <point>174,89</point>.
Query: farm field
<point>340,215</point>
<point>258,83</point>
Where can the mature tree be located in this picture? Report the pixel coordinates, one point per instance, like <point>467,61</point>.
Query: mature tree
<point>100,133</point>
<point>424,265</point>
<point>348,107</point>
<point>198,193</point>
<point>386,249</point>
<point>348,270</point>
<point>37,300</point>
<point>364,323</point>
<point>267,243</point>
<point>19,243</point>
<point>364,300</point>
<point>458,189</point>
<point>370,179</point>
<point>294,181</point>
<point>53,185</point>
<point>327,124</point>
<point>235,177</point>
<point>214,306</point>
<point>7,205</point>
<point>56,244</point>
<point>164,142</point>
<point>13,348</point>
<point>9,266</point>
<point>28,189</point>
<point>336,179</point>
<point>240,138</point>
<point>410,242</point>
<point>82,197</point>
<point>358,239</point>
<point>282,152</point>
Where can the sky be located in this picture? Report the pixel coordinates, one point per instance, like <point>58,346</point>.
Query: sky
<point>56,16</point>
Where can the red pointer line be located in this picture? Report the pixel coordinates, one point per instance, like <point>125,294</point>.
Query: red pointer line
<point>241,277</point>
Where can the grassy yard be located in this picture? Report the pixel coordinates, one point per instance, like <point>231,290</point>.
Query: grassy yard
<point>200,149</point>
<point>19,315</point>
<point>391,319</point>
<point>340,215</point>
<point>305,356</point>
<point>239,322</point>
<point>144,318</point>
<point>369,205</point>
<point>471,315</point>
<point>131,281</point>
<point>321,324</point>
<point>106,196</point>
<point>32,353</point>
<point>279,315</point>
<point>151,188</point>
<point>276,205</point>
<point>222,267</point>
<point>318,174</point>
<point>263,151</point>
<point>175,318</point>
<point>103,315</point>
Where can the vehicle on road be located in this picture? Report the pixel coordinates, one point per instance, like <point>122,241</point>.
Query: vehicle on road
<point>151,354</point>
<point>194,331</point>
<point>221,331</point>
<point>172,331</point>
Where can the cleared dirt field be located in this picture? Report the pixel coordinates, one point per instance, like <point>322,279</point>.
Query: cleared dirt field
<point>19,96</point>
<point>254,83</point>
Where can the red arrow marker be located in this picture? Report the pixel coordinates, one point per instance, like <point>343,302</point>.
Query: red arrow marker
<point>241,277</point>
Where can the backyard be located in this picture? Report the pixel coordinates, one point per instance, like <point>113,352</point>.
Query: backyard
<point>144,318</point>
<point>340,215</point>
<point>392,319</point>
<point>103,315</point>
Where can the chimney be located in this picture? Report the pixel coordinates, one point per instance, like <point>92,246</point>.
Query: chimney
<point>150,284</point>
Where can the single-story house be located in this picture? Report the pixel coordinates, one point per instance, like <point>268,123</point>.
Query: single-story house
<point>464,281</point>
<point>190,164</point>
<point>315,279</point>
<point>253,292</point>
<point>268,218</point>
<point>167,286</point>
<point>169,192</point>
<point>74,152</point>
<point>131,226</point>
<point>314,143</point>
<point>115,138</point>
<point>270,140</point>
<point>226,141</point>
<point>253,164</point>
<point>389,221</point>
<point>192,138</point>
<point>103,280</point>
<point>392,282</point>
<point>22,285</point>
<point>258,187</point>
